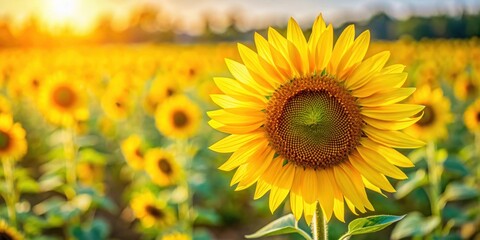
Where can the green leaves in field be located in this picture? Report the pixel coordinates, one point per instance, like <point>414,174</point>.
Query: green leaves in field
<point>283,225</point>
<point>457,191</point>
<point>414,224</point>
<point>370,224</point>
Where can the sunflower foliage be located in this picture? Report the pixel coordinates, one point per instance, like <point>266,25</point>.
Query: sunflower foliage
<point>117,142</point>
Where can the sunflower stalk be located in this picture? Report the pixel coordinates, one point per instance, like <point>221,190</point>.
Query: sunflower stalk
<point>70,164</point>
<point>434,179</point>
<point>185,206</point>
<point>11,197</point>
<point>319,224</point>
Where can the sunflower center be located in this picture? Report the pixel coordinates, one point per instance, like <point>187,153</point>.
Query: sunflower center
<point>180,119</point>
<point>165,166</point>
<point>4,141</point>
<point>428,117</point>
<point>5,236</point>
<point>64,97</point>
<point>478,118</point>
<point>313,122</point>
<point>154,211</point>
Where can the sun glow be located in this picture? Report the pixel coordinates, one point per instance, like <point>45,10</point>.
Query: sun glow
<point>67,13</point>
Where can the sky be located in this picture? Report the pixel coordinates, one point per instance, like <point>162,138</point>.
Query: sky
<point>82,14</point>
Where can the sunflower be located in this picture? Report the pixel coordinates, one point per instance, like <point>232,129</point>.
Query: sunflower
<point>472,117</point>
<point>133,152</point>
<point>176,236</point>
<point>178,117</point>
<point>161,166</point>
<point>12,138</point>
<point>116,102</point>
<point>9,233</point>
<point>63,101</point>
<point>151,211</point>
<point>466,86</point>
<point>314,120</point>
<point>162,88</point>
<point>436,114</point>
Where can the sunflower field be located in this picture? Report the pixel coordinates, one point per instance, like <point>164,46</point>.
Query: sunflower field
<point>138,141</point>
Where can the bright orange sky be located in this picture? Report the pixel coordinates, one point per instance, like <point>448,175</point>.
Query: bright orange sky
<point>82,14</point>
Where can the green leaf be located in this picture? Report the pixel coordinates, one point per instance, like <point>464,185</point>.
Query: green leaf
<point>370,224</point>
<point>455,166</point>
<point>414,224</point>
<point>415,180</point>
<point>458,191</point>
<point>283,225</point>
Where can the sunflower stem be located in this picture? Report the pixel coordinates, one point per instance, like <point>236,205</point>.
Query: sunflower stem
<point>70,164</point>
<point>185,206</point>
<point>11,194</point>
<point>319,224</point>
<point>434,179</point>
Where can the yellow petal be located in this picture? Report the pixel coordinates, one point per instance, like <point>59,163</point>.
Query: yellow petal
<point>356,180</point>
<point>343,43</point>
<point>296,205</point>
<point>386,97</point>
<point>238,90</point>
<point>261,188</point>
<point>310,186</point>
<point>317,29</point>
<point>327,193</point>
<point>234,129</point>
<point>233,142</point>
<point>379,163</point>
<point>394,139</point>
<point>323,50</point>
<point>251,149</point>
<point>338,209</point>
<point>351,206</point>
<point>392,155</point>
<point>278,41</point>
<point>229,118</point>
<point>309,210</point>
<point>226,101</point>
<point>240,72</point>
<point>392,112</point>
<point>372,187</point>
<point>354,55</point>
<point>366,69</point>
<point>380,81</point>
<point>251,61</point>
<point>255,168</point>
<point>282,185</point>
<point>370,173</point>
<point>395,68</point>
<point>297,47</point>
<point>347,187</point>
<point>391,125</point>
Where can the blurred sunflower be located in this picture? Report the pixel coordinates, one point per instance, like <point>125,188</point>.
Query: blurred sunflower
<point>178,117</point>
<point>436,114</point>
<point>314,120</point>
<point>466,86</point>
<point>63,101</point>
<point>9,233</point>
<point>117,102</point>
<point>176,236</point>
<point>151,211</point>
<point>133,152</point>
<point>162,167</point>
<point>12,138</point>
<point>162,88</point>
<point>472,117</point>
